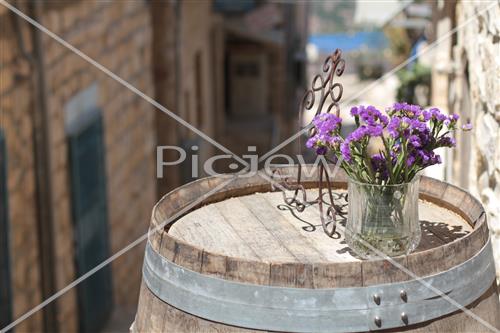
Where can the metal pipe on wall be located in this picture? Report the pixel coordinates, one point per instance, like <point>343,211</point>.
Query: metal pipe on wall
<point>41,143</point>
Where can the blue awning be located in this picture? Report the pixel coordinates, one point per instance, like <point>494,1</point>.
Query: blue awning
<point>326,43</point>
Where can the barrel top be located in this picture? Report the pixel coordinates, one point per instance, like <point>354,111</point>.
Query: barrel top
<point>262,227</point>
<point>242,231</point>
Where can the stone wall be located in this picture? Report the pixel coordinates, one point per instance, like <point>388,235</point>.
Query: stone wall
<point>117,35</point>
<point>16,121</point>
<point>166,28</point>
<point>184,43</point>
<point>196,94</point>
<point>474,93</point>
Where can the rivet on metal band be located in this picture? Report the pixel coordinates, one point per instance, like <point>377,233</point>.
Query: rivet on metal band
<point>403,296</point>
<point>404,318</point>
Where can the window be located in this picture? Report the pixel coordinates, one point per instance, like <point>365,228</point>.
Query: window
<point>249,68</point>
<point>84,128</point>
<point>231,6</point>
<point>248,82</point>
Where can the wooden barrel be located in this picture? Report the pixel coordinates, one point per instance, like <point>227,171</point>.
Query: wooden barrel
<point>241,260</point>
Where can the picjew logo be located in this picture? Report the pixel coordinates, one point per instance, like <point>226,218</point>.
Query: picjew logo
<point>248,170</point>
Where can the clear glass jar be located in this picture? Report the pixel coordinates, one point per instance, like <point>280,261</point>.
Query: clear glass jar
<point>383,218</point>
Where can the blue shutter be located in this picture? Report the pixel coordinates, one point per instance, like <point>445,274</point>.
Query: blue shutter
<point>231,6</point>
<point>5,283</point>
<point>89,211</point>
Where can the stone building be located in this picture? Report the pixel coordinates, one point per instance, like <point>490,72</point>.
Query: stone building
<point>466,80</point>
<point>240,71</point>
<point>79,152</point>
<point>78,149</point>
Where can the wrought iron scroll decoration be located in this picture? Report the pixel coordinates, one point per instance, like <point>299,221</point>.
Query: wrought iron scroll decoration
<point>330,93</point>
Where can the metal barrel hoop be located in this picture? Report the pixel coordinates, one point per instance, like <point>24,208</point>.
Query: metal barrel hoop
<point>304,310</point>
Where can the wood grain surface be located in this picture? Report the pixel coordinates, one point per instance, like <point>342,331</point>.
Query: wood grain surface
<point>261,227</point>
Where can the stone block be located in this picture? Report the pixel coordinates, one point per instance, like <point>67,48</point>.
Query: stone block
<point>6,79</point>
<point>487,133</point>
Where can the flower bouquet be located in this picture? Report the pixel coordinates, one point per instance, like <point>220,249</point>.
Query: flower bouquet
<point>382,158</point>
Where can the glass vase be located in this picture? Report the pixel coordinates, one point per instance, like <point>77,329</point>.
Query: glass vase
<point>383,219</point>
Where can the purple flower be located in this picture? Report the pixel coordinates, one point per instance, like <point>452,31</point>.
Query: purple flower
<point>436,114</point>
<point>324,137</point>
<point>425,136</point>
<point>358,134</point>
<point>425,116</point>
<point>375,130</point>
<point>410,160</point>
<point>378,162</point>
<point>418,125</point>
<point>321,150</point>
<point>384,120</point>
<point>405,109</point>
<point>335,141</point>
<point>393,127</point>
<point>435,159</point>
<point>467,127</point>
<point>405,123</point>
<point>369,114</point>
<point>414,110</point>
<point>424,156</point>
<point>447,141</point>
<point>311,142</point>
<point>345,149</point>
<point>406,126</point>
<point>379,165</point>
<point>326,122</point>
<point>452,120</point>
<point>409,132</point>
<point>354,111</point>
<point>399,106</point>
<point>429,158</point>
<point>414,141</point>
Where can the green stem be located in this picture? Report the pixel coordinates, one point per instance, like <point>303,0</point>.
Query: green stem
<point>405,156</point>
<point>388,159</point>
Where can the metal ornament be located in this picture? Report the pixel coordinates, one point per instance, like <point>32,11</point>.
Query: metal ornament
<point>326,94</point>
